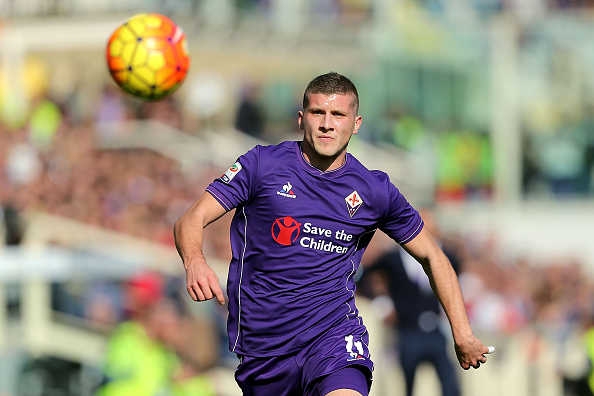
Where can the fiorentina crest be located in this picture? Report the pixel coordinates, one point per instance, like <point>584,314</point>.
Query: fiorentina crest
<point>354,202</point>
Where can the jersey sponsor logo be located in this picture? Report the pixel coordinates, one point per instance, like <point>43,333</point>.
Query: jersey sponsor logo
<point>231,172</point>
<point>285,230</point>
<point>354,202</point>
<point>287,191</point>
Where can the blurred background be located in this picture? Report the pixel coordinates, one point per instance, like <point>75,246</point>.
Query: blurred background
<point>480,110</point>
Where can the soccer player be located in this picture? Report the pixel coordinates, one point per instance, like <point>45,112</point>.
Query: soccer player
<point>304,214</point>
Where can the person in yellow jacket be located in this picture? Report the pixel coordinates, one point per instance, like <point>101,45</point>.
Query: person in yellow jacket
<point>189,381</point>
<point>137,363</point>
<point>588,340</point>
<point>140,359</point>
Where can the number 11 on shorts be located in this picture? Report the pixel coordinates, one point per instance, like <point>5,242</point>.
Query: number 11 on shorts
<point>356,344</point>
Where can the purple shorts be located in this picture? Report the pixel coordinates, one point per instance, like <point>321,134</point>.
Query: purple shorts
<point>338,359</point>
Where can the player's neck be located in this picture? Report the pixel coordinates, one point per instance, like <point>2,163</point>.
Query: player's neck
<point>321,162</point>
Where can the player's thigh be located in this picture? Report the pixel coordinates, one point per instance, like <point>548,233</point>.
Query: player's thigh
<point>279,376</point>
<point>349,381</point>
<point>343,392</point>
<point>340,357</point>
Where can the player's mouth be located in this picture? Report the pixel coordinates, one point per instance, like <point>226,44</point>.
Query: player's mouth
<point>325,138</point>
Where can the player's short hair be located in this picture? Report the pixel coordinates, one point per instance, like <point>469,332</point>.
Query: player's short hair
<point>331,83</point>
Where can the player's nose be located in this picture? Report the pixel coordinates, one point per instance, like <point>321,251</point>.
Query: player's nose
<point>326,124</point>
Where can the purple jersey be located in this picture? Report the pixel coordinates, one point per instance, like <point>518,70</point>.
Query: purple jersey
<point>297,238</point>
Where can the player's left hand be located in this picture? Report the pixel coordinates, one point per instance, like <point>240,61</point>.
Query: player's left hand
<point>471,353</point>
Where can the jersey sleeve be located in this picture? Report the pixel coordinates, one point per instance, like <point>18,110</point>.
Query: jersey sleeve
<point>237,185</point>
<point>402,221</point>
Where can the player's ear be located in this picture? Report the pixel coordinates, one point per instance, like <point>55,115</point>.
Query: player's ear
<point>300,120</point>
<point>358,121</point>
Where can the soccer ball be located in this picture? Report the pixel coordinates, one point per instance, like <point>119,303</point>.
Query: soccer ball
<point>148,56</point>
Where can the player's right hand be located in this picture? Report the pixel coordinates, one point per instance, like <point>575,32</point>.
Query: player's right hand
<point>202,283</point>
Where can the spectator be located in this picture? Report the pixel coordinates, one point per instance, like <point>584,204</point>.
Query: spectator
<point>137,362</point>
<point>250,116</point>
<point>14,225</point>
<point>416,312</point>
<point>152,353</point>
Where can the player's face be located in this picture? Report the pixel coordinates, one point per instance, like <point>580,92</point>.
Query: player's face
<point>328,123</point>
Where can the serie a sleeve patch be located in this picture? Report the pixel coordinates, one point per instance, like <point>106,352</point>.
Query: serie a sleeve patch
<point>231,172</point>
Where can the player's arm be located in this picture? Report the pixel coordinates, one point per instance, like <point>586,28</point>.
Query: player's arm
<point>444,282</point>
<point>201,281</point>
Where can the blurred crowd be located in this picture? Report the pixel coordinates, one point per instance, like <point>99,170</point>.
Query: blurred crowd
<point>53,161</point>
<point>65,172</point>
<point>521,305</point>
<point>349,11</point>
<point>336,10</point>
<point>62,169</point>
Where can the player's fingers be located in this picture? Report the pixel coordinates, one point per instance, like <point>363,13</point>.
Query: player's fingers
<point>208,285</point>
<point>219,294</point>
<point>198,291</point>
<point>479,361</point>
<point>490,350</point>
<point>190,290</point>
<point>205,288</point>
<point>212,288</point>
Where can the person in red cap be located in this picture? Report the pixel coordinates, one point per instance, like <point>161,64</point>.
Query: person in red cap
<point>137,363</point>
<point>143,357</point>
